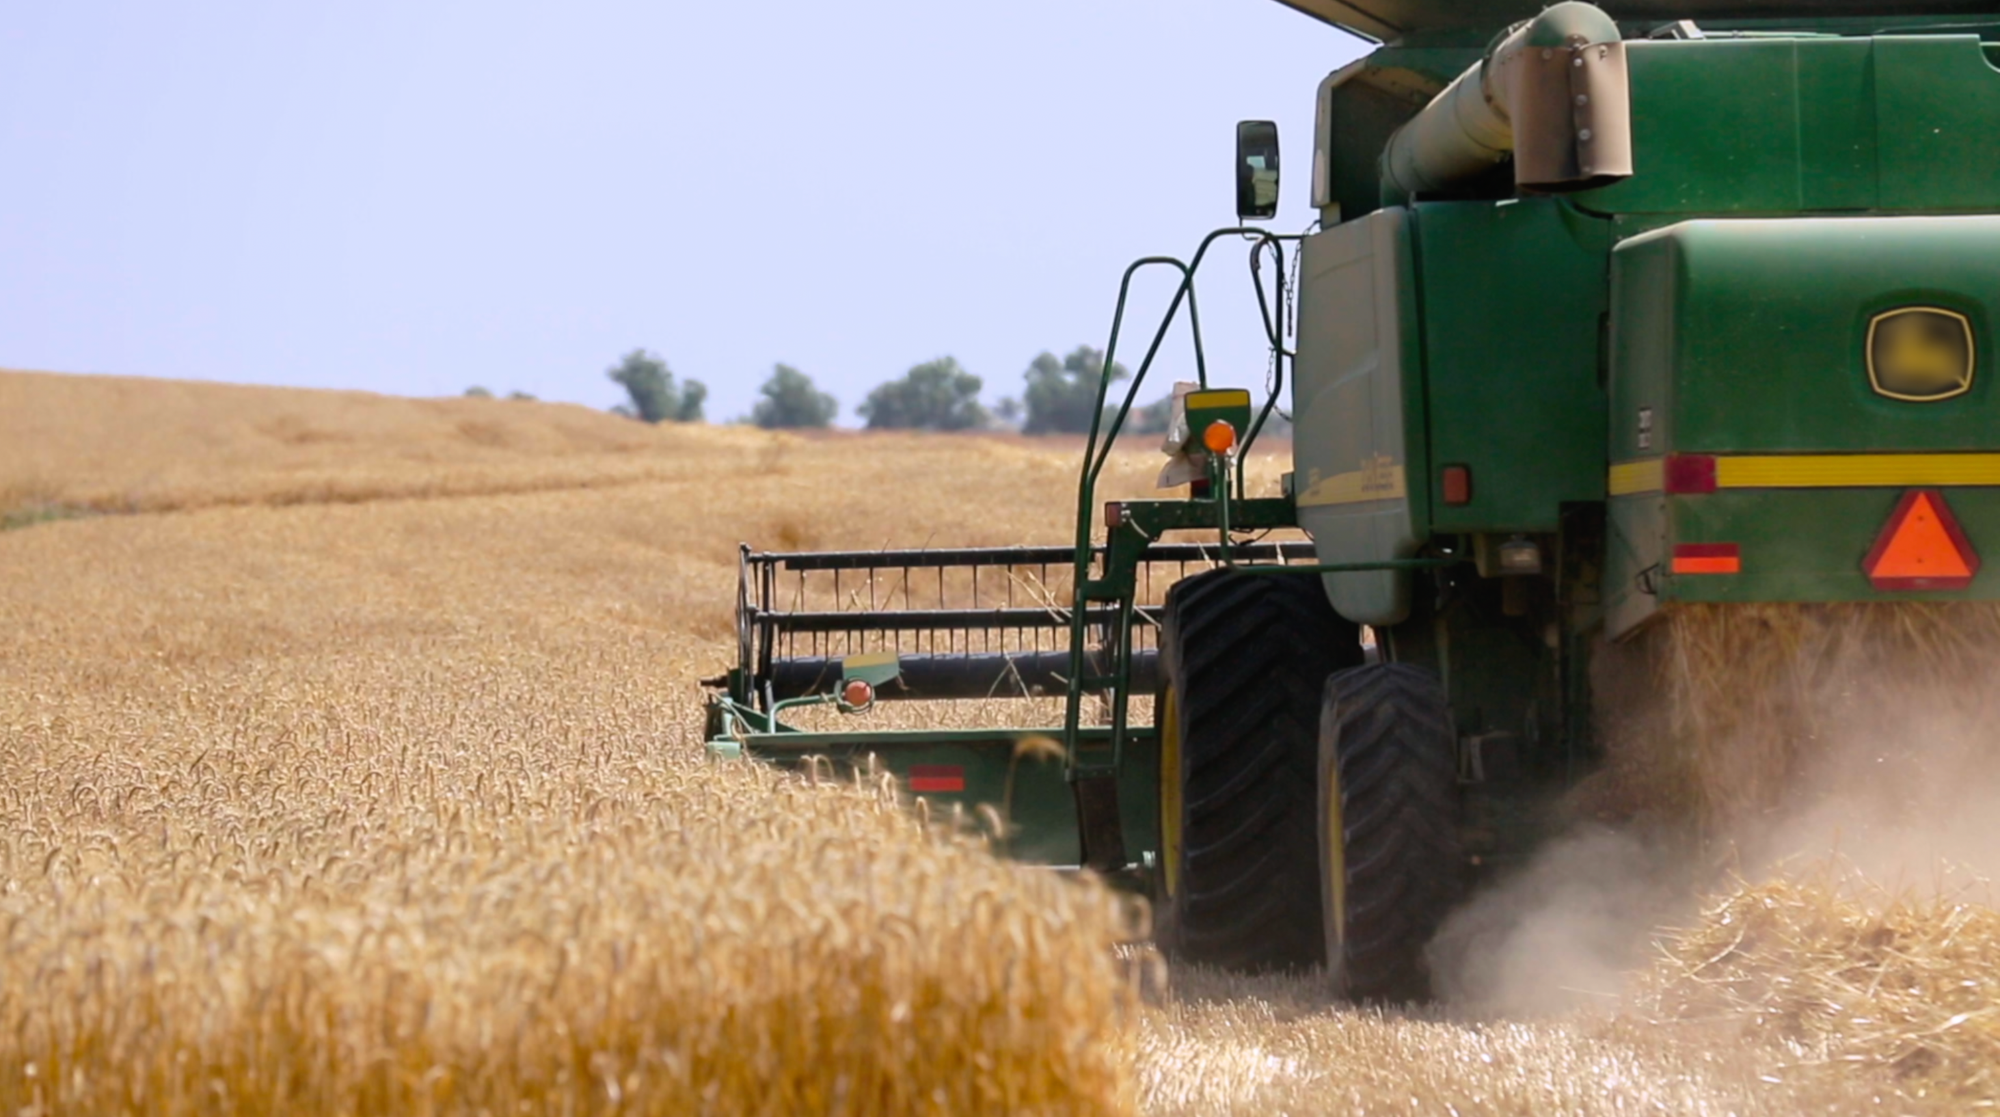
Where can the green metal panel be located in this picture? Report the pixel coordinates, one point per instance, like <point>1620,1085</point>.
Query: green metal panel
<point>1715,129</point>
<point>1358,417</point>
<point>1795,545</point>
<point>1512,366</point>
<point>1740,126</point>
<point>1734,337</point>
<point>1645,313</point>
<point>1837,142</point>
<point>1896,123</point>
<point>1808,545</point>
<point>1760,345</point>
<point>1416,397</point>
<point>1635,540</point>
<point>1040,809</point>
<point>1938,107</point>
<point>1644,310</point>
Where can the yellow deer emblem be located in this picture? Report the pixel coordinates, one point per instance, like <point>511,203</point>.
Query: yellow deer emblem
<point>1920,353</point>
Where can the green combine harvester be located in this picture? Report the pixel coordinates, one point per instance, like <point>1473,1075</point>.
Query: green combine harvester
<point>1607,310</point>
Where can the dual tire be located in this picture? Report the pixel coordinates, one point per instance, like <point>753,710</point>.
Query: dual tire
<point>1308,801</point>
<point>1389,851</point>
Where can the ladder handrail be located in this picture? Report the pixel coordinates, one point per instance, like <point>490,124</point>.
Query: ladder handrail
<point>1097,454</point>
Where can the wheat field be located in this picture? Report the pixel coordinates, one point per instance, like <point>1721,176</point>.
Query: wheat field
<point>349,764</point>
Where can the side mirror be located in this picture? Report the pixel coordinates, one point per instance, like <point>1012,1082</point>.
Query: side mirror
<point>1256,170</point>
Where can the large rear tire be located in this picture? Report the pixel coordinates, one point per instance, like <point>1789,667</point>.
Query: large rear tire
<point>1389,827</point>
<point>1244,657</point>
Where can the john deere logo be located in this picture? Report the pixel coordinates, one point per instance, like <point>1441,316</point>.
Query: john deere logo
<point>1920,353</point>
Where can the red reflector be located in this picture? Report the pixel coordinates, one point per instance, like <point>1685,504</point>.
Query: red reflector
<point>937,777</point>
<point>1707,558</point>
<point>1921,547</point>
<point>1689,473</point>
<point>1114,513</point>
<point>1457,484</point>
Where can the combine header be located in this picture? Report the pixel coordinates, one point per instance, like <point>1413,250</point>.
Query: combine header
<point>1606,311</point>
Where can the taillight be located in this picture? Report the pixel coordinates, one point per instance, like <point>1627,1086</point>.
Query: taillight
<point>1685,474</point>
<point>1708,558</point>
<point>1457,484</point>
<point>937,777</point>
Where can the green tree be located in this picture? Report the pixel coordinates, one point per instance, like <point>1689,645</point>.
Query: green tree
<point>791,401</point>
<point>477,392</point>
<point>1062,394</point>
<point>693,394</point>
<point>655,396</point>
<point>936,395</point>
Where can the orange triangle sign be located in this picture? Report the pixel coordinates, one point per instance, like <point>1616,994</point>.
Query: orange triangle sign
<point>1921,547</point>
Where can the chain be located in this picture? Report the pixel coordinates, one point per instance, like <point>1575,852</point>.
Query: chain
<point>1287,318</point>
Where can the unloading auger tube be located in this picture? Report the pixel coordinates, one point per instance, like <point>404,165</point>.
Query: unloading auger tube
<point>1552,91</point>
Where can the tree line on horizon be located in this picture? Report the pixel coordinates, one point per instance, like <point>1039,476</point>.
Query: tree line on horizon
<point>1058,397</point>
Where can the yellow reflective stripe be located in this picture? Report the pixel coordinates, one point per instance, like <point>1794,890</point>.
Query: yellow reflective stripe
<point>1818,471</point>
<point>1645,475</point>
<point>1381,482</point>
<point>1219,397</point>
<point>1826,471</point>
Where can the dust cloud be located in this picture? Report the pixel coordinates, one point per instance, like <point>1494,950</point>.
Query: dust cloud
<point>1892,777</point>
<point>1906,791</point>
<point>1563,931</point>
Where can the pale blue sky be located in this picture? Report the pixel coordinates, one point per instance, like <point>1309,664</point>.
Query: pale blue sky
<point>415,197</point>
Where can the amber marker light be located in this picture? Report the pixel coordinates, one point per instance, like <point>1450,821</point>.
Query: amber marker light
<point>1220,437</point>
<point>858,694</point>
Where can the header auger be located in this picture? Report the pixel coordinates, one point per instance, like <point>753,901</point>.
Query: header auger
<point>1607,313</point>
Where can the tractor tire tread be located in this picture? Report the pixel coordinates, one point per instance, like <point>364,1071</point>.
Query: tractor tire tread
<point>1247,655</point>
<point>1388,728</point>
